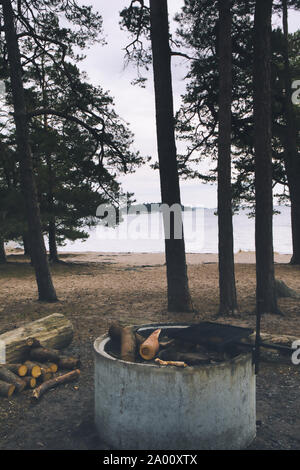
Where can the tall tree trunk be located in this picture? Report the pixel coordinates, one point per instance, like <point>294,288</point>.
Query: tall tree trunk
<point>26,244</point>
<point>53,255</point>
<point>3,259</point>
<point>265,281</point>
<point>291,157</point>
<point>38,251</point>
<point>178,290</point>
<point>228,298</point>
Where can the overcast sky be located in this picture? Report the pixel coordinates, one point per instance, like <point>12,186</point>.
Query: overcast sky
<point>105,67</point>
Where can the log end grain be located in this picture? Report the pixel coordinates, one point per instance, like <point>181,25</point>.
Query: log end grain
<point>6,389</point>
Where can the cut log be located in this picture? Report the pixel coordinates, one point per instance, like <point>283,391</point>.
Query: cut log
<point>18,369</point>
<point>128,344</point>
<point>11,378</point>
<point>54,331</point>
<point>115,331</point>
<point>33,369</point>
<point>6,389</point>
<point>44,368</point>
<point>30,382</point>
<point>69,363</point>
<point>150,347</point>
<point>52,367</point>
<point>42,354</point>
<point>62,379</point>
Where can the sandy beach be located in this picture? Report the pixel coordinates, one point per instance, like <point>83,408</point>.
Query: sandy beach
<point>158,259</point>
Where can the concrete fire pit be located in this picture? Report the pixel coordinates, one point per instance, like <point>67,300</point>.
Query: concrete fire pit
<point>146,406</point>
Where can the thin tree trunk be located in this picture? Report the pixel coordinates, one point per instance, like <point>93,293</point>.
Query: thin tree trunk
<point>265,281</point>
<point>291,158</point>
<point>3,259</point>
<point>178,290</point>
<point>228,298</point>
<point>38,251</point>
<point>53,255</point>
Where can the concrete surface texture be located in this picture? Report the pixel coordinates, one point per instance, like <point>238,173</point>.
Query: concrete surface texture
<point>149,407</point>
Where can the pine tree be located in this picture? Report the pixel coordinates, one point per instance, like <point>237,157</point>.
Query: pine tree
<point>178,291</point>
<point>265,287</point>
<point>228,298</point>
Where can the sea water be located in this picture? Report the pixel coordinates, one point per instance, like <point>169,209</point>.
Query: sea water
<point>144,233</point>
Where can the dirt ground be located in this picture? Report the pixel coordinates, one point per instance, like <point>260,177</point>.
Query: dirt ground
<point>95,289</point>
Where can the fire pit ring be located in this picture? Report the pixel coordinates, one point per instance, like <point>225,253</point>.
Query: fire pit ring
<point>149,407</point>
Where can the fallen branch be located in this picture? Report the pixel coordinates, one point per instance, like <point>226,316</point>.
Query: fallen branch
<point>170,363</point>
<point>62,379</point>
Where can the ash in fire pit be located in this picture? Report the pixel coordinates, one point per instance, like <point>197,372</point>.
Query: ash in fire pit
<point>205,405</point>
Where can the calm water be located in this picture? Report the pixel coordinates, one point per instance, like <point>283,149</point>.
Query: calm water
<point>144,233</point>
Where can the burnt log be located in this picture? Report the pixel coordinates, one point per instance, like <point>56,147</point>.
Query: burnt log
<point>115,332</point>
<point>128,344</point>
<point>192,359</point>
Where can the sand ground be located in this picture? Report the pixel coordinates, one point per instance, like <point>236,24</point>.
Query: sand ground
<point>96,288</point>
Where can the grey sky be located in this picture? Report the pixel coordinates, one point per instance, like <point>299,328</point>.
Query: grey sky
<point>105,67</point>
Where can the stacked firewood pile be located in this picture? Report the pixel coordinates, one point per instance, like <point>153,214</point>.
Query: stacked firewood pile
<point>41,371</point>
<point>130,346</point>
